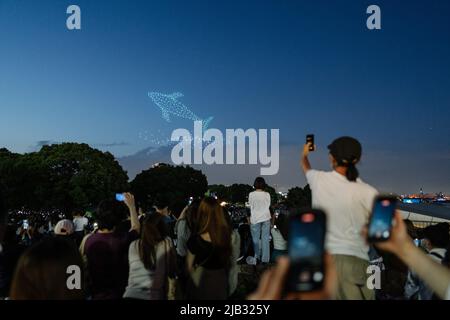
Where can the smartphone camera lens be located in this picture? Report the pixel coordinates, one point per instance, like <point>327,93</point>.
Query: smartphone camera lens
<point>318,276</point>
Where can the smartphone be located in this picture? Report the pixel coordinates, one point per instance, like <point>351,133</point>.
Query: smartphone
<point>310,139</point>
<point>306,241</point>
<point>120,197</point>
<point>25,224</point>
<point>380,224</point>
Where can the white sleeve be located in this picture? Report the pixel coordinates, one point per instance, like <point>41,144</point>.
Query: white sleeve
<point>311,177</point>
<point>369,198</point>
<point>250,200</point>
<point>448,293</point>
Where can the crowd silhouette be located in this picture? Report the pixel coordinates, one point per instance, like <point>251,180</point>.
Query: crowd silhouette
<point>197,254</point>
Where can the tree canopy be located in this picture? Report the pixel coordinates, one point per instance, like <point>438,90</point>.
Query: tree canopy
<point>62,176</point>
<point>176,183</point>
<point>238,193</point>
<point>299,197</point>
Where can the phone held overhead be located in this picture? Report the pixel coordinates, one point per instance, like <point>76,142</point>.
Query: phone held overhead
<point>310,141</point>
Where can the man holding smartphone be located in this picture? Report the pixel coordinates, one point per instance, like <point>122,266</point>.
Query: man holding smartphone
<point>347,201</point>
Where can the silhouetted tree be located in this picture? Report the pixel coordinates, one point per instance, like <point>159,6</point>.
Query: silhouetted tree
<point>238,193</point>
<point>176,183</point>
<point>62,176</point>
<point>221,191</point>
<point>299,197</point>
<point>274,196</point>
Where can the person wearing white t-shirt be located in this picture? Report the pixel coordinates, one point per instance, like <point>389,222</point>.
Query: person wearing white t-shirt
<point>259,201</point>
<point>347,201</point>
<point>279,234</point>
<point>80,223</point>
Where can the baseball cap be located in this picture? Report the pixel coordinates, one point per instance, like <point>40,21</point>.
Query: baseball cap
<point>346,150</point>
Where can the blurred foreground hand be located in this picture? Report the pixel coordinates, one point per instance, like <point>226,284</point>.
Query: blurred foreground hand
<point>271,285</point>
<point>399,242</point>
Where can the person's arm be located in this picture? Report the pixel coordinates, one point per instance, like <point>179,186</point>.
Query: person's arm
<point>435,275</point>
<point>233,271</point>
<point>183,213</point>
<point>431,272</point>
<point>190,261</point>
<point>129,201</point>
<point>304,162</point>
<point>183,235</point>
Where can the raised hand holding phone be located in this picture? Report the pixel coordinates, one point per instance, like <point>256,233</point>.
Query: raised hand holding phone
<point>381,219</point>
<point>129,200</point>
<point>120,197</point>
<point>310,142</point>
<point>131,204</point>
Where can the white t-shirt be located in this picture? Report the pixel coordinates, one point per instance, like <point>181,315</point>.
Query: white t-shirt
<point>259,206</point>
<point>80,223</point>
<point>147,284</point>
<point>279,243</point>
<point>347,205</point>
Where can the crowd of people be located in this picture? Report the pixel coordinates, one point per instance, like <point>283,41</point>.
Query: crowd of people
<point>125,253</point>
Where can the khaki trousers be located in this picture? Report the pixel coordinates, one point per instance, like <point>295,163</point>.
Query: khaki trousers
<point>352,278</point>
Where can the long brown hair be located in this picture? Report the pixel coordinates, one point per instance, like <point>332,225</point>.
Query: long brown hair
<point>154,230</point>
<point>211,219</point>
<point>41,273</point>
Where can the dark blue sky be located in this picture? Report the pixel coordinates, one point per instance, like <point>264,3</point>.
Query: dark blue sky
<point>301,66</point>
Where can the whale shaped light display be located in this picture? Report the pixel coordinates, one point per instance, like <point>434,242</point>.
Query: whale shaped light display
<point>170,105</point>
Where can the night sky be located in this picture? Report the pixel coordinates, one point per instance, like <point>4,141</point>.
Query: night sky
<point>300,66</point>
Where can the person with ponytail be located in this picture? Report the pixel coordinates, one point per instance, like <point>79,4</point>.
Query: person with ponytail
<point>152,260</point>
<point>347,201</point>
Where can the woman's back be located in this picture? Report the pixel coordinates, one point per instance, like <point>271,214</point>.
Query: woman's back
<point>259,206</point>
<point>209,275</point>
<point>209,253</point>
<point>143,283</point>
<point>206,254</point>
<point>107,263</point>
